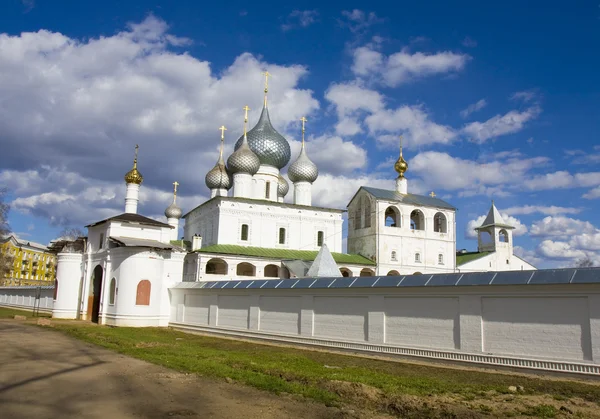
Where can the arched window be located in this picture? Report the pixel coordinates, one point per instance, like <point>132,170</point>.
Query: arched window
<point>417,257</point>
<point>142,296</point>
<point>440,225</point>
<point>367,211</point>
<point>393,273</point>
<point>271,271</point>
<point>503,236</point>
<point>244,232</point>
<point>112,291</point>
<point>216,266</point>
<point>392,217</point>
<point>358,216</point>
<point>394,256</point>
<point>417,220</point>
<point>345,272</point>
<point>267,190</point>
<point>282,235</point>
<point>319,238</point>
<point>367,272</point>
<point>245,269</point>
<point>440,259</point>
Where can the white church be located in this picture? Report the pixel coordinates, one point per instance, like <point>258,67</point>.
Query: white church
<point>122,272</point>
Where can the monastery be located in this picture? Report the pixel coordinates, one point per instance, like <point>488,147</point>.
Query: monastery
<point>122,273</point>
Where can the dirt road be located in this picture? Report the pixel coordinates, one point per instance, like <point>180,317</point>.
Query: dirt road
<point>44,374</point>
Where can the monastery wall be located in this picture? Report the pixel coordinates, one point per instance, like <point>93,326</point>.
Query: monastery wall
<point>25,297</point>
<point>551,327</point>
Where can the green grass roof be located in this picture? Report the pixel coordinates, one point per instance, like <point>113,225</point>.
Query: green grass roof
<point>230,249</point>
<point>463,258</point>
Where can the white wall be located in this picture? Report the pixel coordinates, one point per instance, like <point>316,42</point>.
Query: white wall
<point>496,262</point>
<point>552,327</point>
<point>24,298</point>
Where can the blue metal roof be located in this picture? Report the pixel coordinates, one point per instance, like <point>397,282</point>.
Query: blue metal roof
<point>545,276</point>
<point>408,198</point>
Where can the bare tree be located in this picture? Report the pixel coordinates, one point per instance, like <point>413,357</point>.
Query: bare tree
<point>71,233</point>
<point>586,262</point>
<point>6,259</point>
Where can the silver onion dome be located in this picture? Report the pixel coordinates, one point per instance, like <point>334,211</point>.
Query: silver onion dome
<point>283,187</point>
<point>270,146</point>
<point>218,177</point>
<point>303,170</point>
<point>243,159</point>
<point>173,211</point>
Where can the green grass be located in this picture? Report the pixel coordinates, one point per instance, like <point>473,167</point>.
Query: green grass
<point>542,411</point>
<point>306,373</point>
<point>9,313</point>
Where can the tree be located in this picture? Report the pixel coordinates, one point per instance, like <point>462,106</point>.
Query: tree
<point>6,259</point>
<point>586,262</point>
<point>71,233</point>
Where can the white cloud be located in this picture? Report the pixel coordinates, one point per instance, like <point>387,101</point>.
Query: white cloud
<point>300,18</point>
<point>546,210</point>
<point>563,179</point>
<point>345,187</point>
<point>520,228</point>
<point>351,97</point>
<point>358,21</point>
<point>530,256</point>
<point>474,107</point>
<point>333,153</point>
<point>592,193</point>
<point>559,226</point>
<point>509,123</point>
<point>402,67</point>
<point>559,250</point>
<point>525,95</point>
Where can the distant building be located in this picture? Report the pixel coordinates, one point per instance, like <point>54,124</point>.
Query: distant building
<point>32,263</point>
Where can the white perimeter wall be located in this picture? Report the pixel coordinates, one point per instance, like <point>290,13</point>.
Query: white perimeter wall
<point>24,298</point>
<point>522,326</point>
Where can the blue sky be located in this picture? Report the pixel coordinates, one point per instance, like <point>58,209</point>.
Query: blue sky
<point>495,101</point>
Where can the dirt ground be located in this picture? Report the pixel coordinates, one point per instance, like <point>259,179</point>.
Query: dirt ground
<point>45,374</point>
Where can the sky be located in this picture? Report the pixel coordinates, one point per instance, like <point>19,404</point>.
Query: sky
<point>494,101</point>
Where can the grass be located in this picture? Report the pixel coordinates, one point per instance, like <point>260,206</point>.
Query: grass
<point>329,378</point>
<point>9,313</point>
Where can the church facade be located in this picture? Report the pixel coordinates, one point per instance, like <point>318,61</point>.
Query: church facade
<point>122,272</point>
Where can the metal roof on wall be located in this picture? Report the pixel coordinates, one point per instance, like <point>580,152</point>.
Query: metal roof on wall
<point>540,277</point>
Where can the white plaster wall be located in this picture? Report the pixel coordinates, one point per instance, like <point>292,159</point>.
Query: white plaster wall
<point>233,311</point>
<point>422,322</point>
<point>551,327</point>
<point>196,308</point>
<point>497,262</point>
<point>24,298</point>
<point>161,234</point>
<point>68,275</point>
<point>341,317</point>
<point>280,314</point>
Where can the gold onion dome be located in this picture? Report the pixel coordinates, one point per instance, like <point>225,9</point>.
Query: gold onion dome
<point>134,176</point>
<point>401,166</point>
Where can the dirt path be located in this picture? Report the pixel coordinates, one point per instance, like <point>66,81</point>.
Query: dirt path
<point>48,375</point>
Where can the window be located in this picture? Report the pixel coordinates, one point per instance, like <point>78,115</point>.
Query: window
<point>417,220</point>
<point>101,241</point>
<point>113,291</point>
<point>507,262</point>
<point>392,217</point>
<point>319,238</point>
<point>245,269</point>
<point>244,232</point>
<point>418,257</point>
<point>503,236</point>
<point>271,271</point>
<point>282,235</point>
<point>268,190</point>
<point>357,216</point>
<point>367,211</point>
<point>142,297</point>
<point>394,255</point>
<point>440,225</point>
<point>440,259</point>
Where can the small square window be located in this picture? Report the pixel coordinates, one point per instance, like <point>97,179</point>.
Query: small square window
<point>440,259</point>
<point>417,257</point>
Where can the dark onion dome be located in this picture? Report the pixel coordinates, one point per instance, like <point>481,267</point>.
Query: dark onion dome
<point>173,211</point>
<point>283,187</point>
<point>303,170</point>
<point>218,177</point>
<point>243,159</point>
<point>270,146</point>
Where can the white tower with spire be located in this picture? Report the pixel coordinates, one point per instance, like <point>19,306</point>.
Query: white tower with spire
<point>133,179</point>
<point>303,172</point>
<point>174,213</point>
<point>401,167</point>
<point>495,234</point>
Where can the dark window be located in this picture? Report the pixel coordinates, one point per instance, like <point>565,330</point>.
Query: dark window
<point>417,257</point>
<point>268,190</point>
<point>319,238</point>
<point>282,235</point>
<point>113,291</point>
<point>244,231</point>
<point>101,241</point>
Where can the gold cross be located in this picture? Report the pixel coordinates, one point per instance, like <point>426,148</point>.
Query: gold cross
<point>303,119</point>
<point>432,194</point>
<point>267,75</point>
<point>246,108</point>
<point>222,129</point>
<point>175,184</point>
<point>401,145</point>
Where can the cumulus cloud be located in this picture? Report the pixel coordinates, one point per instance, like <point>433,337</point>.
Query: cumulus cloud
<point>560,226</point>
<point>333,153</point>
<point>345,187</point>
<point>541,209</point>
<point>593,193</point>
<point>562,179</point>
<point>358,21</point>
<point>474,107</point>
<point>404,66</point>
<point>509,123</point>
<point>300,18</point>
<point>520,228</point>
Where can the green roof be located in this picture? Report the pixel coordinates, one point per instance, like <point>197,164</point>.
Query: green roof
<point>462,258</point>
<point>231,249</point>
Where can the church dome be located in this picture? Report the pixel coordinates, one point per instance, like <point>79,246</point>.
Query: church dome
<point>243,159</point>
<point>283,187</point>
<point>270,146</point>
<point>218,177</point>
<point>303,169</point>
<point>173,211</point>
